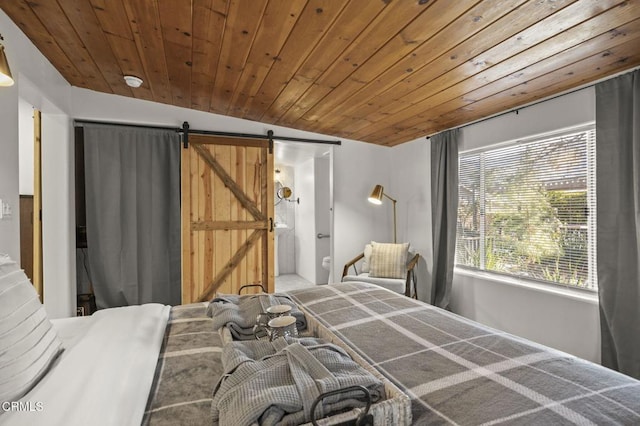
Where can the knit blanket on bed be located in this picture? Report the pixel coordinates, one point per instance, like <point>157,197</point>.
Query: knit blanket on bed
<point>239,313</point>
<point>277,382</point>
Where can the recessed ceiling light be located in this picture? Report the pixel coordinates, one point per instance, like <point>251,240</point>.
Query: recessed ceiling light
<point>132,81</point>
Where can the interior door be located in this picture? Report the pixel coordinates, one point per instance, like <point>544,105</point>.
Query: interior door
<point>227,216</point>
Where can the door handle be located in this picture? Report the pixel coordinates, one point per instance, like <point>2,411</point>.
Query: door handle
<point>321,236</point>
<point>270,224</point>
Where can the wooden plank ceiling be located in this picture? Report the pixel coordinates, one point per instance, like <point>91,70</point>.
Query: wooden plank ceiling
<point>380,71</point>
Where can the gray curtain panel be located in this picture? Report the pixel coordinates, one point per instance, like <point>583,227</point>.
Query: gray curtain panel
<point>444,213</point>
<point>133,214</point>
<point>618,220</point>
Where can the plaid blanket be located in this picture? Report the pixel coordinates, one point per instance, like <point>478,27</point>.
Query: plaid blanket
<point>189,365</point>
<point>457,371</point>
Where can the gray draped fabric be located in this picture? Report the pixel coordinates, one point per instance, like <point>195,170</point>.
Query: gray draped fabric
<point>133,214</point>
<point>618,220</point>
<point>444,213</point>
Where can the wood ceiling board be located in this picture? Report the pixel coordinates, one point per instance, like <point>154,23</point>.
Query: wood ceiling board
<point>507,73</point>
<point>434,77</point>
<point>418,69</point>
<point>113,20</point>
<point>379,32</point>
<point>113,17</point>
<point>82,17</point>
<point>601,42</point>
<point>29,23</point>
<point>308,31</point>
<point>130,64</point>
<point>601,64</point>
<point>464,77</point>
<point>176,22</point>
<point>519,80</point>
<point>145,26</point>
<point>209,18</point>
<point>278,21</point>
<point>363,102</point>
<point>405,44</point>
<point>243,20</point>
<point>345,29</point>
<point>57,24</point>
<point>578,74</point>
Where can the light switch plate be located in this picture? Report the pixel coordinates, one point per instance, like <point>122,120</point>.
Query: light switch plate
<point>5,210</point>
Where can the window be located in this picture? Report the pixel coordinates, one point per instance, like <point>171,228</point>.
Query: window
<point>528,209</point>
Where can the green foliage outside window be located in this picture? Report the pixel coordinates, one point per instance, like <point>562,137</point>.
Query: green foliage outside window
<point>527,216</point>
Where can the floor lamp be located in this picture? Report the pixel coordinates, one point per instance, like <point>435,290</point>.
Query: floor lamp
<point>376,198</point>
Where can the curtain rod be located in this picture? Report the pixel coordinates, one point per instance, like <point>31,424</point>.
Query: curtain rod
<point>186,129</point>
<point>137,126</point>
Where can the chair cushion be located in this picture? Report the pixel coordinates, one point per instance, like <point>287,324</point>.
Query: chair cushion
<point>394,284</point>
<point>388,260</point>
<point>28,343</point>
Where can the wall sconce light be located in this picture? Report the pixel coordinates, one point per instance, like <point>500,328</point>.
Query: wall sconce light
<point>376,198</point>
<point>6,79</point>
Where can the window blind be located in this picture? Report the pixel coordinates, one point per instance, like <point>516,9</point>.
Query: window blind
<point>528,209</point>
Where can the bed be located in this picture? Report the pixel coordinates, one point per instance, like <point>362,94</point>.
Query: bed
<point>457,371</point>
<point>151,364</point>
<point>158,365</point>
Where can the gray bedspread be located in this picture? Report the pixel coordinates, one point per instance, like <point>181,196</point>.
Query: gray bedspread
<point>189,365</point>
<point>457,371</point>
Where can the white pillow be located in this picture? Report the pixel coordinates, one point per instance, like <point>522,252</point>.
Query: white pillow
<point>28,343</point>
<point>388,260</point>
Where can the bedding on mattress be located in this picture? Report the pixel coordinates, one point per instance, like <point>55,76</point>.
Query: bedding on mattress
<point>104,374</point>
<point>457,371</point>
<point>189,366</point>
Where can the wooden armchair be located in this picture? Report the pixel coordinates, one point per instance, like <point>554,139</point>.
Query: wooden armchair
<point>406,286</point>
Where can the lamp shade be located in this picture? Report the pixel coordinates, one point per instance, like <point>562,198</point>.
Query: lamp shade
<point>5,72</point>
<point>376,195</point>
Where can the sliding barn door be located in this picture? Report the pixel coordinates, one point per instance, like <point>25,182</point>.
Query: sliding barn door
<point>227,216</point>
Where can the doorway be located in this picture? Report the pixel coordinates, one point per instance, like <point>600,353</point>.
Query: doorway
<point>30,189</point>
<point>227,216</point>
<point>303,208</point>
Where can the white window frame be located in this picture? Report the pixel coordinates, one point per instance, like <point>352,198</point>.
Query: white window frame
<point>591,218</point>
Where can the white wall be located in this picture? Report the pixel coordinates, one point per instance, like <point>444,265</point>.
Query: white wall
<point>321,181</point>
<point>25,136</point>
<point>285,213</point>
<point>411,186</point>
<point>571,110</point>
<point>562,319</point>
<point>304,176</point>
<point>58,216</point>
<point>40,85</point>
<point>9,178</point>
<point>357,168</point>
<point>565,320</point>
